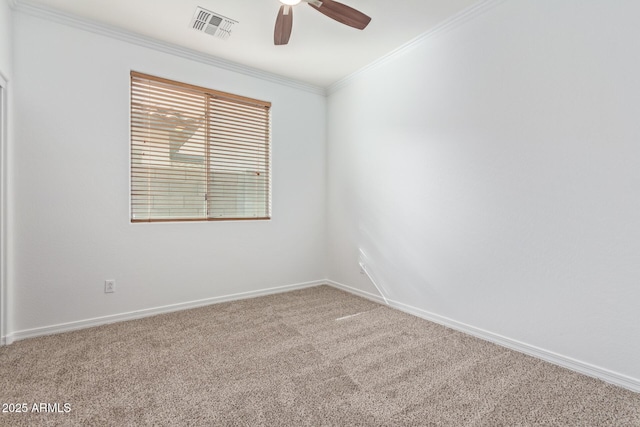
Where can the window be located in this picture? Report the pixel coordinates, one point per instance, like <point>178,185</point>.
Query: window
<point>197,154</point>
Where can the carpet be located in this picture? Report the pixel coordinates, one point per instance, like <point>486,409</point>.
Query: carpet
<point>312,357</point>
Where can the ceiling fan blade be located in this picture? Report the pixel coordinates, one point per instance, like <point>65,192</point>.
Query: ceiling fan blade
<point>284,24</point>
<point>342,13</point>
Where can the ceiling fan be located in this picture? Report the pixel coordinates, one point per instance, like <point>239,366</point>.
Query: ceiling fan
<point>334,10</point>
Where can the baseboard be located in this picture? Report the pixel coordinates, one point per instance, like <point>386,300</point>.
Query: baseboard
<point>138,314</point>
<point>606,375</point>
<point>359,292</point>
<point>603,374</point>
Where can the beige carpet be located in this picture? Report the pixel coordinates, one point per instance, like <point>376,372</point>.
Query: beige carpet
<point>295,359</point>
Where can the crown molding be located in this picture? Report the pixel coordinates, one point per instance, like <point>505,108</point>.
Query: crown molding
<point>449,24</point>
<point>53,15</point>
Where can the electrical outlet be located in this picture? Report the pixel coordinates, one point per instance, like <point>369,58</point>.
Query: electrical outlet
<point>109,286</point>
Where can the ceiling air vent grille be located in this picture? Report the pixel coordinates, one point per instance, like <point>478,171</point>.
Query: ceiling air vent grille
<point>212,23</point>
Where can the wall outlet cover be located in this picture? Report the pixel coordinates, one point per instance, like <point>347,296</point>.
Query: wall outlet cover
<point>109,286</point>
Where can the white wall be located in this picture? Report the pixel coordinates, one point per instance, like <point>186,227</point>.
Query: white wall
<point>6,71</point>
<point>71,187</point>
<point>491,176</point>
<point>5,38</point>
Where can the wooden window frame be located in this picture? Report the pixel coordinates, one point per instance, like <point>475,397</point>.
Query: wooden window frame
<point>233,133</point>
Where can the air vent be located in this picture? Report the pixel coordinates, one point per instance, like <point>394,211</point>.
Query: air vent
<point>212,23</point>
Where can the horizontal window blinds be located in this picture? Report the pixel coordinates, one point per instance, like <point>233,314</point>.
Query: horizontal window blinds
<point>197,154</point>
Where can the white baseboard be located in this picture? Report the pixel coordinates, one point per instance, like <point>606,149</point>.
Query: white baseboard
<point>97,321</point>
<point>606,375</point>
<point>359,292</point>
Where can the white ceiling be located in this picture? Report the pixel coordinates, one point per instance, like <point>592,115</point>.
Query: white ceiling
<point>320,51</point>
